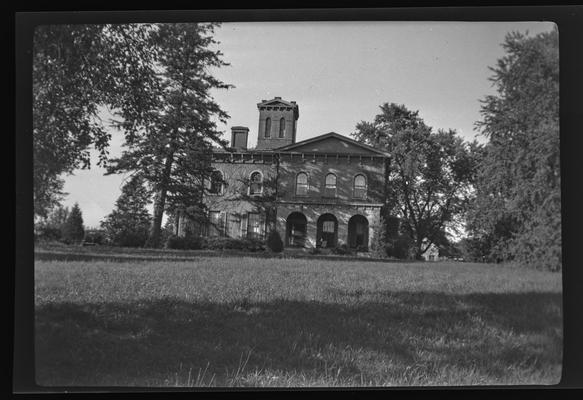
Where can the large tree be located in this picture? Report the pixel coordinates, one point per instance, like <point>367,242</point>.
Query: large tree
<point>517,207</point>
<point>173,152</point>
<point>430,177</point>
<point>72,230</point>
<point>129,223</point>
<point>76,70</point>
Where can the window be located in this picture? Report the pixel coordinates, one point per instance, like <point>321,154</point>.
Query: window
<point>256,183</point>
<point>216,219</point>
<point>359,191</point>
<point>268,127</point>
<point>330,189</point>
<point>282,128</point>
<point>302,184</point>
<point>254,226</point>
<point>234,225</point>
<point>216,183</point>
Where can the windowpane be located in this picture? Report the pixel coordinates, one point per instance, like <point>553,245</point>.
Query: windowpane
<point>254,225</point>
<point>328,226</point>
<point>268,127</point>
<point>302,184</point>
<point>216,219</point>
<point>234,227</point>
<point>216,185</point>
<point>256,184</point>
<point>282,127</point>
<point>330,180</point>
<point>359,187</point>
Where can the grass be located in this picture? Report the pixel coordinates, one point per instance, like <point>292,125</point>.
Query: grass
<point>263,322</point>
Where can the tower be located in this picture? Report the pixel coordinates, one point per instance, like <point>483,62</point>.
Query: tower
<point>277,123</point>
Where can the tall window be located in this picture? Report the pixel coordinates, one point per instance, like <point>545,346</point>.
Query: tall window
<point>330,189</point>
<point>359,191</point>
<point>302,184</point>
<point>254,226</point>
<point>216,219</point>
<point>282,128</point>
<point>268,127</point>
<point>256,183</point>
<point>234,225</point>
<point>216,183</point>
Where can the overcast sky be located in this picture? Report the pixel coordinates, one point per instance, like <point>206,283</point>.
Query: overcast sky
<point>339,73</point>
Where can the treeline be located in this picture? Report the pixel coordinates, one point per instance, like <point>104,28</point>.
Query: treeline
<point>503,195</point>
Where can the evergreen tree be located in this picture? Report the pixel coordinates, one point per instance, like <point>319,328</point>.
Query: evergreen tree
<point>174,152</point>
<point>129,223</point>
<point>517,209</point>
<point>72,231</point>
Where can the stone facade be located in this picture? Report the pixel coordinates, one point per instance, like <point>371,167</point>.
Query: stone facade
<point>323,192</point>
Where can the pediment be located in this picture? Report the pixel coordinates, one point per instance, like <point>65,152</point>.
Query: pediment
<point>277,102</point>
<point>332,143</point>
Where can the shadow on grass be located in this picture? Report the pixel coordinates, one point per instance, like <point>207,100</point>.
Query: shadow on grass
<point>378,335</point>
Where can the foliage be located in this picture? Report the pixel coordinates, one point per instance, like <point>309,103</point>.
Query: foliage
<point>173,151</point>
<point>95,236</point>
<point>431,174</point>
<point>274,242</point>
<point>72,230</point>
<point>517,210</point>
<point>49,228</point>
<point>129,223</point>
<point>379,242</point>
<point>184,242</point>
<point>343,250</point>
<point>76,70</point>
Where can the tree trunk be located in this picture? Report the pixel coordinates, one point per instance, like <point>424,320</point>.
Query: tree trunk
<point>159,204</point>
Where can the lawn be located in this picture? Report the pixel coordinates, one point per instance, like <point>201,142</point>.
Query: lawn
<point>247,321</point>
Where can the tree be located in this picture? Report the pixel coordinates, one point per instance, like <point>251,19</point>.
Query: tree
<point>129,223</point>
<point>431,174</point>
<point>517,204</point>
<point>174,152</point>
<point>77,69</point>
<point>50,228</point>
<point>72,230</point>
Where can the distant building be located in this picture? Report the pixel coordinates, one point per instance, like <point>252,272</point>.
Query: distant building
<point>432,253</point>
<point>328,190</point>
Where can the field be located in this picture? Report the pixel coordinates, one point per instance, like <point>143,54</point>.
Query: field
<point>232,322</point>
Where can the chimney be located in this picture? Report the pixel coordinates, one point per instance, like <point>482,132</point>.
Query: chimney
<point>239,136</point>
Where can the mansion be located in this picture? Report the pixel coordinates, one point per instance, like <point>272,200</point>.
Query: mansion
<point>321,192</point>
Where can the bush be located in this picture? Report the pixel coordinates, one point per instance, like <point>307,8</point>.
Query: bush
<point>342,250</point>
<point>274,242</point>
<point>96,236</point>
<point>184,242</point>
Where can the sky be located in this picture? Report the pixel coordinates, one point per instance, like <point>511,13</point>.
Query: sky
<point>339,73</point>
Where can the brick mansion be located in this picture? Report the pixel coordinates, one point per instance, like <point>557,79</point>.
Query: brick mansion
<point>321,192</point>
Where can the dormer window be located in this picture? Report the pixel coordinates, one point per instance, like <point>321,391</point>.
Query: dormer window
<point>330,188</point>
<point>302,184</point>
<point>255,183</point>
<point>268,127</point>
<point>282,128</point>
<point>359,190</point>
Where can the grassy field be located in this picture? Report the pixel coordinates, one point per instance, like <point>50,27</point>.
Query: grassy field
<point>264,322</point>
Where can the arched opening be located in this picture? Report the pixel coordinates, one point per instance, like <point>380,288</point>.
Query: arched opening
<point>301,184</point>
<point>295,231</point>
<point>358,232</point>
<point>327,231</point>
<point>255,183</point>
<point>359,188</point>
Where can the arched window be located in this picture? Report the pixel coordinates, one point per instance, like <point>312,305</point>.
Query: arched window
<point>330,189</point>
<point>359,190</point>
<point>302,184</point>
<point>216,183</point>
<point>256,183</point>
<point>282,128</point>
<point>268,127</point>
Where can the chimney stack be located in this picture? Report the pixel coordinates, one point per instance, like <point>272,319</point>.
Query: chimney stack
<point>239,136</point>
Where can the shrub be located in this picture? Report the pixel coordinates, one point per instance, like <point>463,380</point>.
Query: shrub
<point>96,236</point>
<point>184,242</point>
<point>274,242</point>
<point>342,250</point>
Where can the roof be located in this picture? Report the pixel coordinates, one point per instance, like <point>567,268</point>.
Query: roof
<point>332,142</point>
